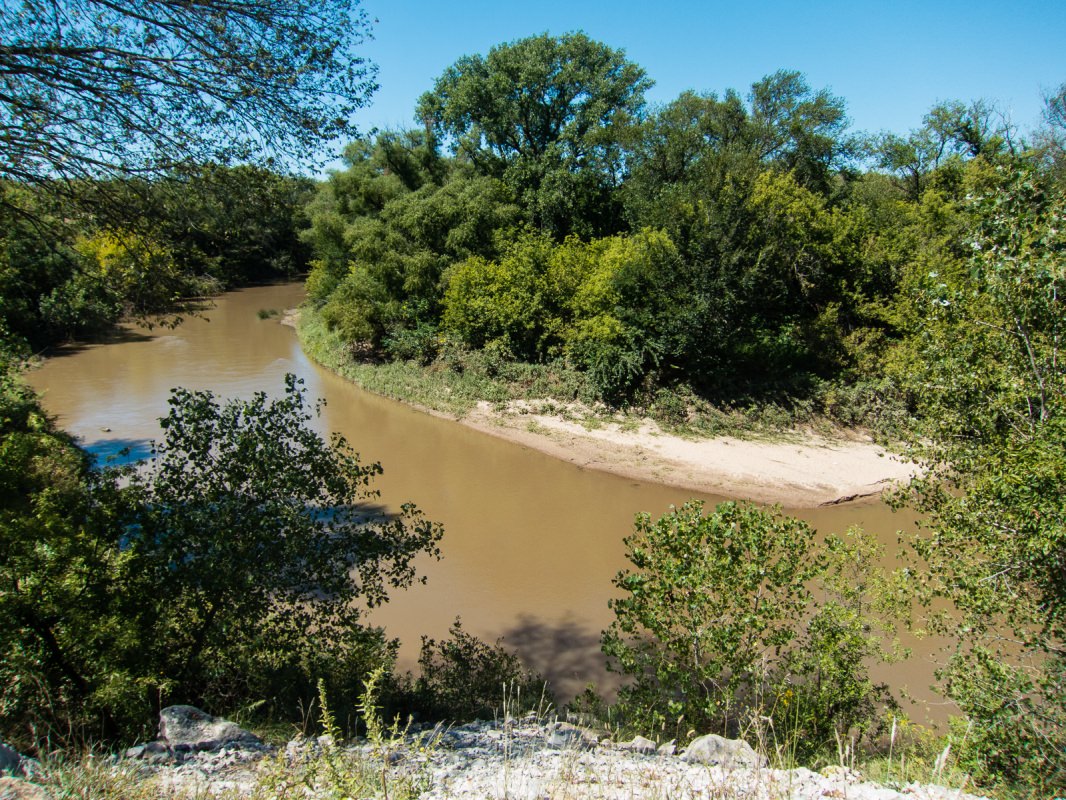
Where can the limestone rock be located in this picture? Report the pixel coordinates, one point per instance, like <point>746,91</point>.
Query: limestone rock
<point>716,750</point>
<point>189,728</point>
<point>639,745</point>
<point>18,789</point>
<point>564,736</point>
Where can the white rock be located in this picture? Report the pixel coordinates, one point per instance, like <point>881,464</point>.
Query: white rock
<point>715,750</point>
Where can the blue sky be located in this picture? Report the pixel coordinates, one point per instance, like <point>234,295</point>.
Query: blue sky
<point>889,59</point>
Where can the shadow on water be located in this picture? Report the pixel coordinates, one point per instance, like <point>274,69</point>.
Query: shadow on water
<point>566,654</point>
<point>118,452</point>
<point>115,336</point>
<point>195,308</point>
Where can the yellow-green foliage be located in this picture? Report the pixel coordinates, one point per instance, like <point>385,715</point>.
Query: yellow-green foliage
<point>621,269</point>
<point>509,300</point>
<point>141,270</point>
<point>615,305</point>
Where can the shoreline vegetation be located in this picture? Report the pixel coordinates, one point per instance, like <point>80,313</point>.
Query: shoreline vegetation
<point>721,292</point>
<point>739,457</point>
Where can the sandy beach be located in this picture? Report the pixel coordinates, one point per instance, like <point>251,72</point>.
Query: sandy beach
<point>797,471</point>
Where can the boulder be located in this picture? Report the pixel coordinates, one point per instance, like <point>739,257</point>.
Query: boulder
<point>727,753</point>
<point>564,736</point>
<point>185,728</point>
<point>18,789</point>
<point>639,745</point>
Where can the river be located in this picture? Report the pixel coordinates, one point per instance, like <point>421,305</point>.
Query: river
<point>531,543</point>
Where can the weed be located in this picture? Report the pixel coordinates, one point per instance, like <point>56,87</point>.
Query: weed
<point>914,754</point>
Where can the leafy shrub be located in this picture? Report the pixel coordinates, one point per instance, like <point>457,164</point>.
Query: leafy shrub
<point>230,569</point>
<point>419,344</point>
<point>719,631</point>
<point>463,678</point>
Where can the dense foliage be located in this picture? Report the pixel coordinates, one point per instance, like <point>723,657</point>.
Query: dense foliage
<point>463,678</point>
<point>543,225</point>
<point>195,580</point>
<point>721,631</point>
<point>714,242</point>
<point>65,273</point>
<point>737,248</point>
<point>994,492</point>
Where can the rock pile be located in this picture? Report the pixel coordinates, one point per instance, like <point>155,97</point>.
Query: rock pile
<point>197,755</point>
<point>531,758</point>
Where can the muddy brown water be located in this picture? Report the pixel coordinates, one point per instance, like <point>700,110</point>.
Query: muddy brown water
<point>531,543</point>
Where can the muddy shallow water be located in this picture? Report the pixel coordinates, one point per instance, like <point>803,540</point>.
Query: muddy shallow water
<point>531,543</point>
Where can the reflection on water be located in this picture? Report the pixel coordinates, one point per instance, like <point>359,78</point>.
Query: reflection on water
<point>531,543</point>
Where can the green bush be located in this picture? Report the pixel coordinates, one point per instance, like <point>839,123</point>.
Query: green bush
<point>229,571</point>
<point>463,678</point>
<point>718,629</point>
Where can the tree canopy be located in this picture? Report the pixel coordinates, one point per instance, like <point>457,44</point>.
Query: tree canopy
<point>95,88</point>
<point>546,115</point>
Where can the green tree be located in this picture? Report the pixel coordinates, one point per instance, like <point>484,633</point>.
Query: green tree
<point>60,568</point>
<point>547,115</point>
<point>950,131</point>
<point>230,570</point>
<point>799,129</point>
<point>48,290</point>
<point>394,278</point>
<point>256,531</point>
<point>235,225</point>
<point>990,384</point>
<point>508,301</point>
<point>1051,138</point>
<point>631,316</point>
<point>616,307</point>
<point>142,272</point>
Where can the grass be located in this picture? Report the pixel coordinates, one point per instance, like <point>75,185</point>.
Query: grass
<point>915,754</point>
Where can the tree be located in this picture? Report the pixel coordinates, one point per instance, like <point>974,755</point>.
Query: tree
<point>95,88</point>
<point>912,158</point>
<point>989,381</point>
<point>233,568</point>
<point>235,224</point>
<point>49,291</point>
<point>545,114</point>
<point>256,531</point>
<point>951,130</point>
<point>798,128</point>
<point>1052,136</point>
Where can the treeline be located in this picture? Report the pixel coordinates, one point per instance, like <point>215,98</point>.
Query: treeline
<point>77,257</point>
<point>740,248</point>
<point>734,246</point>
<point>728,248</point>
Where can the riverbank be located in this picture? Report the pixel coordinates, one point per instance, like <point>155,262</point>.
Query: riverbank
<point>524,758</point>
<point>797,469</point>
